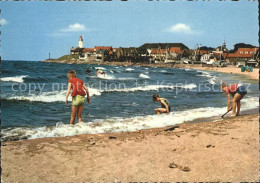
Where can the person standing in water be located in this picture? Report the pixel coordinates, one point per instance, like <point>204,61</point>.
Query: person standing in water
<point>79,90</point>
<point>165,105</point>
<point>238,91</point>
<point>100,72</point>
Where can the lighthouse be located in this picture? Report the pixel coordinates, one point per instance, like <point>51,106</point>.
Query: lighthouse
<point>80,45</point>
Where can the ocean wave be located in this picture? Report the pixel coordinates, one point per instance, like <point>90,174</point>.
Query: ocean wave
<point>121,124</point>
<point>211,80</point>
<point>144,76</point>
<point>129,69</point>
<point>101,68</point>
<point>58,96</point>
<point>163,71</point>
<point>109,77</point>
<point>152,88</point>
<point>17,79</point>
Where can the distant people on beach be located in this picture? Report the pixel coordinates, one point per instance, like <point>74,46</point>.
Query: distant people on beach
<point>165,105</point>
<point>99,71</point>
<point>238,91</point>
<point>79,90</point>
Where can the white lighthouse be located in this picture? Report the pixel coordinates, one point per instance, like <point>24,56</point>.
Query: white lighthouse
<point>80,45</point>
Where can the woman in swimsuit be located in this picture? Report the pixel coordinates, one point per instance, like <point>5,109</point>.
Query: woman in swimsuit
<point>165,105</point>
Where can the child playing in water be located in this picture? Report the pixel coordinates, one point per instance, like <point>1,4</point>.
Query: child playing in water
<point>237,91</point>
<point>100,72</point>
<point>165,105</point>
<point>79,90</point>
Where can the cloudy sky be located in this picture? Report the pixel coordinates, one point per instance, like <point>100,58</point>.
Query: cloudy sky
<point>32,30</point>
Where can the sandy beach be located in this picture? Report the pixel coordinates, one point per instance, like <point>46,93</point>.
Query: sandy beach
<point>226,150</point>
<point>229,70</point>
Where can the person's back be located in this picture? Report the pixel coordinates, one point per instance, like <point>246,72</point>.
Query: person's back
<point>77,86</point>
<point>79,90</point>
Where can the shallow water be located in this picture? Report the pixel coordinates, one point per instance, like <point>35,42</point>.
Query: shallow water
<point>33,98</point>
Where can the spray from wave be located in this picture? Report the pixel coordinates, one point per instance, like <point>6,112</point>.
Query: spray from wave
<point>17,79</point>
<point>121,124</point>
<point>144,76</point>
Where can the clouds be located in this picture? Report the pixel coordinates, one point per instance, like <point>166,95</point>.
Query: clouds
<point>75,28</point>
<point>3,21</point>
<point>72,28</point>
<point>182,28</point>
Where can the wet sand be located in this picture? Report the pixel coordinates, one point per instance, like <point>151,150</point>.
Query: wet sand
<point>226,150</point>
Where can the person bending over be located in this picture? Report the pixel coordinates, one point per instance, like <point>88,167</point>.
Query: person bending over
<point>238,91</point>
<point>165,105</point>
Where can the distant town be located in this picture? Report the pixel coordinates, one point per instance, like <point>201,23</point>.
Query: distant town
<point>242,54</point>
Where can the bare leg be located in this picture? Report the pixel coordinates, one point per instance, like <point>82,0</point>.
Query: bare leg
<point>160,110</point>
<point>79,112</point>
<point>239,104</point>
<point>233,107</point>
<point>238,107</point>
<point>236,102</point>
<point>74,110</point>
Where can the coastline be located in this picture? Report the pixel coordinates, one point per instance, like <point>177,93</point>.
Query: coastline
<point>141,156</point>
<point>229,70</point>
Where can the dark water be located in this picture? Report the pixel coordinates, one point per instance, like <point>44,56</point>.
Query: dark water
<point>33,98</point>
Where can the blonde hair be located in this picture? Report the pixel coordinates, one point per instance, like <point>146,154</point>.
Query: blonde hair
<point>72,73</point>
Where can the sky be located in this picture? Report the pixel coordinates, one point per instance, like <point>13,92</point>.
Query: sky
<point>32,30</point>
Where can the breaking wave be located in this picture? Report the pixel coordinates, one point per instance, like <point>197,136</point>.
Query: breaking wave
<point>17,79</point>
<point>120,124</point>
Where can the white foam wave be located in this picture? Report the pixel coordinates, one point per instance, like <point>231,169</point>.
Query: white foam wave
<point>17,79</point>
<point>129,69</point>
<point>152,88</point>
<point>125,124</point>
<point>146,68</point>
<point>109,77</point>
<point>144,76</point>
<point>211,80</point>
<point>163,71</point>
<point>58,96</point>
<point>112,71</point>
<point>101,68</point>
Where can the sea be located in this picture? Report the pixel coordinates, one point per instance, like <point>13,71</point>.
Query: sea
<point>33,98</point>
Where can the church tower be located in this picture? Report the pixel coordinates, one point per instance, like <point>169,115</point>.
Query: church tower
<point>80,44</point>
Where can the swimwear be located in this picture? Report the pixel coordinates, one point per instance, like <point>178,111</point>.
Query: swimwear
<point>241,89</point>
<point>78,100</point>
<point>167,103</point>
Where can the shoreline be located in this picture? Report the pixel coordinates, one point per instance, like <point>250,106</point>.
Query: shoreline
<point>229,70</point>
<point>143,155</point>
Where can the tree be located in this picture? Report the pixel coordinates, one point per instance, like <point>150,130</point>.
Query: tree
<point>241,45</point>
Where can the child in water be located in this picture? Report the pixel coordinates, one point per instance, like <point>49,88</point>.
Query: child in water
<point>238,91</point>
<point>165,105</point>
<point>79,90</point>
<point>99,71</point>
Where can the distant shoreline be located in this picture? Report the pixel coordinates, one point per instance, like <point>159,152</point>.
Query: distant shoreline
<point>229,70</point>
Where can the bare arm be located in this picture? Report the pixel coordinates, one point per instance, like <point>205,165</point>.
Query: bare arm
<point>86,89</point>
<point>68,92</point>
<point>166,106</point>
<point>229,102</point>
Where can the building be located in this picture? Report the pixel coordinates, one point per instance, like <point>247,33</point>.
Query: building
<point>76,51</point>
<point>243,54</point>
<point>79,49</point>
<point>80,43</point>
